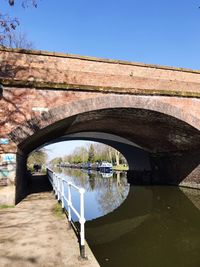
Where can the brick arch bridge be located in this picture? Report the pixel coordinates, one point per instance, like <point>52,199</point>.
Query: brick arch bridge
<point>155,110</point>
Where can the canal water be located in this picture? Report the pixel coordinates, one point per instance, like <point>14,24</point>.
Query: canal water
<point>139,226</point>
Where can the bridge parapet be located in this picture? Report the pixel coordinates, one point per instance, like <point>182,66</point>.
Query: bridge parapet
<point>45,70</point>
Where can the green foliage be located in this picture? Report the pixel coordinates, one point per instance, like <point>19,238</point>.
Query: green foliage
<point>57,210</point>
<point>96,152</point>
<point>6,206</point>
<point>56,161</point>
<point>37,157</point>
<point>121,167</point>
<point>79,155</point>
<point>91,154</point>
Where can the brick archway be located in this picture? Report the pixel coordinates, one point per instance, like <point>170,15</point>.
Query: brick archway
<point>168,166</point>
<point>156,104</point>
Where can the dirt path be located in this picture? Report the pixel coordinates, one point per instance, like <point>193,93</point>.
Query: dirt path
<point>32,235</point>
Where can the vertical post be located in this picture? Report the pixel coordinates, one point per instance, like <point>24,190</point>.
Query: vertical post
<point>69,204</point>
<point>62,197</point>
<point>56,183</point>
<point>82,223</point>
<point>52,180</point>
<point>58,188</point>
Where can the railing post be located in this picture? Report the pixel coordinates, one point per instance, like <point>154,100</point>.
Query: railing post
<point>58,188</point>
<point>53,181</point>
<point>82,223</point>
<point>56,183</point>
<point>69,203</point>
<point>62,196</point>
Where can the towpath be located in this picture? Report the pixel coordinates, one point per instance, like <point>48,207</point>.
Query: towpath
<point>33,235</point>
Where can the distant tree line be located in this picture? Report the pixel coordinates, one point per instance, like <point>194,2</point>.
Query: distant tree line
<point>95,152</point>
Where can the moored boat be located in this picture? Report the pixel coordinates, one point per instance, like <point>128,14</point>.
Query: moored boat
<point>105,167</point>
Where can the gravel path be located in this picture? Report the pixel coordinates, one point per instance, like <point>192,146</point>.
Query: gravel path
<point>31,234</point>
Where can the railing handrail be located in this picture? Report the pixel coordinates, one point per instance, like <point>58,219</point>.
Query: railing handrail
<point>57,183</point>
<point>68,182</point>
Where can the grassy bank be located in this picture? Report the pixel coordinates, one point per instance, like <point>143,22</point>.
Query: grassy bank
<point>57,210</point>
<point>121,167</point>
<point>6,206</point>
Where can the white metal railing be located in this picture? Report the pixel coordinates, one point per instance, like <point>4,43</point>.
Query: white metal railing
<point>59,184</point>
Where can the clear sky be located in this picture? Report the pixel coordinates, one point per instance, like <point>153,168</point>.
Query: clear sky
<point>155,32</point>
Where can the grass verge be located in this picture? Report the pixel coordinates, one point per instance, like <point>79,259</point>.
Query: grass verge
<point>57,210</point>
<point>6,206</point>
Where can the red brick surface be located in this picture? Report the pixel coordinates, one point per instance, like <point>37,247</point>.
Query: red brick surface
<point>69,85</point>
<point>95,74</point>
<point>100,76</point>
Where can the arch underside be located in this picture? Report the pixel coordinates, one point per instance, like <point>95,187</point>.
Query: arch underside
<point>127,106</point>
<point>162,139</point>
<point>149,130</point>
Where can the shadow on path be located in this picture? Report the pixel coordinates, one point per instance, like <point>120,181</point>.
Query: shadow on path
<point>39,183</point>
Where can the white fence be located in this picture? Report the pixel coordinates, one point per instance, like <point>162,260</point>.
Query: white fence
<point>60,186</point>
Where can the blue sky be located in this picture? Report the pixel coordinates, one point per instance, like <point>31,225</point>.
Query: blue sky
<point>155,32</point>
<point>158,32</point>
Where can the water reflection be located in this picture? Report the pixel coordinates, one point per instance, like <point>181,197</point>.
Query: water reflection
<point>149,226</point>
<point>104,193</point>
<point>154,226</point>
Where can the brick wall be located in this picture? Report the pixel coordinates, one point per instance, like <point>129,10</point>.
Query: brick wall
<point>42,89</point>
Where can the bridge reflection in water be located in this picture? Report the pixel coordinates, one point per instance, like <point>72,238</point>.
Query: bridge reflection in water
<point>155,225</point>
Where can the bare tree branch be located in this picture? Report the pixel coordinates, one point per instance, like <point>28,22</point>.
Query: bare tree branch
<point>18,40</point>
<point>8,24</point>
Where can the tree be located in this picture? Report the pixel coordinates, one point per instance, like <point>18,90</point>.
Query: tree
<point>56,161</point>
<point>83,154</point>
<point>18,40</point>
<point>8,24</point>
<point>95,152</point>
<point>37,157</point>
<point>91,155</point>
<point>117,156</point>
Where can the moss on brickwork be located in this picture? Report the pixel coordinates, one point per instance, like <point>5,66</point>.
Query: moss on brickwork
<point>87,88</point>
